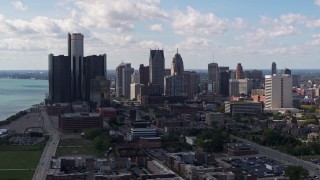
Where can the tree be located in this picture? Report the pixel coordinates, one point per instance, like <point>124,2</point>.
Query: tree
<point>98,142</point>
<point>295,172</point>
<point>92,133</point>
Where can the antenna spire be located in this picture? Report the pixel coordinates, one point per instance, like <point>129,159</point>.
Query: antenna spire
<point>212,56</point>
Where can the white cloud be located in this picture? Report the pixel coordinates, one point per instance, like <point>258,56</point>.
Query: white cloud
<point>146,44</point>
<point>194,43</point>
<point>314,23</point>
<point>119,15</point>
<point>315,35</point>
<point>194,22</point>
<point>18,5</point>
<point>156,27</point>
<point>261,34</point>
<point>41,25</point>
<point>317,2</point>
<point>288,19</point>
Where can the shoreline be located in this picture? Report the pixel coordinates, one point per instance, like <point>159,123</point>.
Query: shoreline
<point>17,115</point>
<point>14,117</point>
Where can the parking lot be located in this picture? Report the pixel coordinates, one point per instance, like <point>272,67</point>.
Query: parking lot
<point>258,166</point>
<point>26,140</point>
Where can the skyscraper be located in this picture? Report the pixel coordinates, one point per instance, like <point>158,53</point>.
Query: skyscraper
<point>156,68</point>
<point>70,76</point>
<point>177,64</point>
<point>286,71</point>
<point>213,77</point>
<point>273,68</point>
<point>193,81</point>
<point>123,79</point>
<point>144,74</point>
<point>239,72</point>
<point>278,90</point>
<point>77,76</point>
<point>59,79</point>
<point>224,83</point>
<point>233,87</point>
<point>176,85</point>
<point>93,66</point>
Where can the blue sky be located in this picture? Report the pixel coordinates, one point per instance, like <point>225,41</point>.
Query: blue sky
<point>254,33</point>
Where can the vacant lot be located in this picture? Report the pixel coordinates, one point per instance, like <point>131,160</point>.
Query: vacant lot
<point>20,125</point>
<point>77,147</point>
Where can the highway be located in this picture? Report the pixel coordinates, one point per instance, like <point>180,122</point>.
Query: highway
<point>282,157</point>
<point>49,150</point>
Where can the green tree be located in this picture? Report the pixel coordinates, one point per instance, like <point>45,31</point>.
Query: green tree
<point>92,132</point>
<point>295,172</point>
<point>98,143</point>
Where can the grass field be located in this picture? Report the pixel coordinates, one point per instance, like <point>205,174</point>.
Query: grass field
<point>16,174</point>
<point>19,159</point>
<point>74,147</point>
<point>24,158</point>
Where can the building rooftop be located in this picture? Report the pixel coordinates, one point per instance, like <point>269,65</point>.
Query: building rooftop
<point>70,115</point>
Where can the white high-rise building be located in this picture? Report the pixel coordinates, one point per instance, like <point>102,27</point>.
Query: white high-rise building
<point>278,91</point>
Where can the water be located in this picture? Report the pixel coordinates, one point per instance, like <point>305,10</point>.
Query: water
<point>20,94</point>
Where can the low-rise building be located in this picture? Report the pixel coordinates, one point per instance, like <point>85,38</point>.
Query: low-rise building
<point>243,107</point>
<point>214,118</point>
<point>77,122</point>
<point>239,149</point>
<point>56,109</point>
<point>137,133</point>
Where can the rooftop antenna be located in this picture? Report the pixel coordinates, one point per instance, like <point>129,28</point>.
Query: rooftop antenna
<point>177,51</point>
<point>212,56</point>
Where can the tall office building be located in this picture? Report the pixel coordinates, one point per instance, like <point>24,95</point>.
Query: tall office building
<point>245,86</point>
<point>239,71</point>
<point>99,91</point>
<point>193,81</point>
<point>123,79</point>
<point>59,79</point>
<point>176,85</point>
<point>156,68</point>
<point>278,90</point>
<point>233,87</point>
<point>286,71</point>
<point>273,68</point>
<point>224,74</point>
<point>77,76</point>
<point>93,66</point>
<point>135,78</point>
<point>224,83</point>
<point>177,64</point>
<point>144,74</point>
<point>213,77</point>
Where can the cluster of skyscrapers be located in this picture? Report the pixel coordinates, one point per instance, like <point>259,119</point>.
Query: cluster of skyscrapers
<point>155,80</point>
<point>76,78</point>
<point>274,90</point>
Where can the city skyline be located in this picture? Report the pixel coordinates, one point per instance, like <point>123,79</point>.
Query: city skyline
<point>247,32</point>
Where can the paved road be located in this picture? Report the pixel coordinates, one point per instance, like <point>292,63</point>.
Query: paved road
<point>284,158</point>
<point>49,150</point>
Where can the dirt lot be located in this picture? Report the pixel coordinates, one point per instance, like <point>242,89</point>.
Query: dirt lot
<point>31,119</point>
